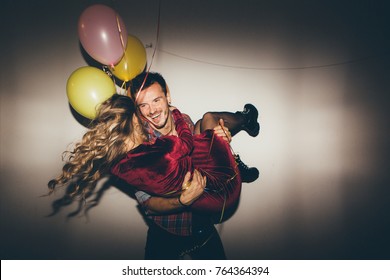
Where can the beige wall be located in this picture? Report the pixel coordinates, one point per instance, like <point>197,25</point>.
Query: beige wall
<point>322,152</point>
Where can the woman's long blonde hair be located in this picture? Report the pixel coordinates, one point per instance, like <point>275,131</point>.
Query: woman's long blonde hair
<point>106,141</point>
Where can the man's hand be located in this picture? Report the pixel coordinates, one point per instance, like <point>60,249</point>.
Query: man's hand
<point>222,131</point>
<point>193,189</point>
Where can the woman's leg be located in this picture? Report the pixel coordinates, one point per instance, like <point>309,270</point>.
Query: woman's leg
<point>235,122</point>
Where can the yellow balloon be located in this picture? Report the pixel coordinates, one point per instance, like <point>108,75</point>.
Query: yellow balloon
<point>133,61</point>
<point>88,87</point>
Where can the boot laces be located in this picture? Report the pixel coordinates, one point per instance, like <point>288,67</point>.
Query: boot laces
<point>240,163</point>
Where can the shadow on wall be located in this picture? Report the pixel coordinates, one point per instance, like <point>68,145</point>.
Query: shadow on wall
<point>91,199</point>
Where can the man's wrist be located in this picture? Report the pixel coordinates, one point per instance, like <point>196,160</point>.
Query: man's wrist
<point>181,203</point>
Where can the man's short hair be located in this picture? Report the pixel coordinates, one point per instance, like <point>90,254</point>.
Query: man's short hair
<point>145,80</point>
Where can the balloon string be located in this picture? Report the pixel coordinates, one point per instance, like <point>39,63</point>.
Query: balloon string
<point>120,37</point>
<point>123,86</point>
<point>157,35</point>
<point>154,51</point>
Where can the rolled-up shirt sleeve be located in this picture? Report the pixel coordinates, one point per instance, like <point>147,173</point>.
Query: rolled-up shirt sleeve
<point>142,198</point>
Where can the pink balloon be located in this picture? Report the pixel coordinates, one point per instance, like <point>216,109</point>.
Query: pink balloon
<point>102,34</point>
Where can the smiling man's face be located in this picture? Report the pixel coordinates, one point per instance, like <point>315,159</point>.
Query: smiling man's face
<point>153,106</point>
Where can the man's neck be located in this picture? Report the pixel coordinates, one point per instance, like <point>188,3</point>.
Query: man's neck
<point>169,128</point>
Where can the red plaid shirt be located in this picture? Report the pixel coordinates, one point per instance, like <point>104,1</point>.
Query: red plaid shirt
<point>177,223</point>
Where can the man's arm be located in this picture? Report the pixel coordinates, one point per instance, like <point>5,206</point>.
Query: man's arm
<point>192,190</point>
<point>222,131</point>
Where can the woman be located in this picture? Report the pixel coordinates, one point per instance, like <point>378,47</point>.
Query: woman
<point>116,143</point>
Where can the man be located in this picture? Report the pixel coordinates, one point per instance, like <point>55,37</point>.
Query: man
<point>173,229</point>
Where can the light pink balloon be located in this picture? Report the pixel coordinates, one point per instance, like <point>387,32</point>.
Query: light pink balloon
<point>102,34</point>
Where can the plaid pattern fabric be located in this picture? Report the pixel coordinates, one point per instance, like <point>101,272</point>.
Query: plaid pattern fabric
<point>178,223</point>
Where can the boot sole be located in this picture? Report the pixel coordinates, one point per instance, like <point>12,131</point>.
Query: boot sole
<point>253,132</point>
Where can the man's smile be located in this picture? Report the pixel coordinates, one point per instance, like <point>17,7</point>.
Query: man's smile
<point>155,116</point>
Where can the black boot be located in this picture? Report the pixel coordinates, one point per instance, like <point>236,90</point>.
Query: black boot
<point>250,114</point>
<point>248,174</point>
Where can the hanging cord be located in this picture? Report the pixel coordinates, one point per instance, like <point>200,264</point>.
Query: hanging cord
<point>196,247</point>
<point>328,65</point>
<point>154,51</point>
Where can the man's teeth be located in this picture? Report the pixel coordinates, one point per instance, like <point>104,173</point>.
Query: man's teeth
<point>156,116</point>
